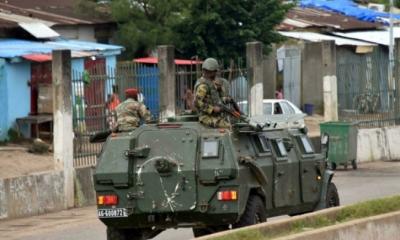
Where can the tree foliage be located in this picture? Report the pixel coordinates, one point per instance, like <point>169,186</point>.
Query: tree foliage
<point>222,28</point>
<point>144,24</point>
<point>196,27</point>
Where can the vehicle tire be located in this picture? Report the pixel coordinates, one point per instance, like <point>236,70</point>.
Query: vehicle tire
<point>255,212</point>
<point>354,164</point>
<point>123,234</point>
<point>332,196</point>
<point>333,166</point>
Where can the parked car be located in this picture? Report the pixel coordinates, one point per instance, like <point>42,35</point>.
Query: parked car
<point>295,117</point>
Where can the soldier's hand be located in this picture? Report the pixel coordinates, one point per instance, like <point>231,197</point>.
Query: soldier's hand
<point>216,109</point>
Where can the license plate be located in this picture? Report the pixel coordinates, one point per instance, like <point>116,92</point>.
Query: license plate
<point>112,213</point>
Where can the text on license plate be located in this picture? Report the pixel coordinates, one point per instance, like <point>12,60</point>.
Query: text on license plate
<point>111,213</point>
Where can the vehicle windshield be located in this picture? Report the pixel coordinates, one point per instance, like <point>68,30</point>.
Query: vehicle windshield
<point>267,108</point>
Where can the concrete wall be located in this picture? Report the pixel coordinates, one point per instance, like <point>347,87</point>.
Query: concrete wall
<point>84,33</point>
<point>43,192</point>
<point>312,76</point>
<point>31,195</point>
<point>378,144</point>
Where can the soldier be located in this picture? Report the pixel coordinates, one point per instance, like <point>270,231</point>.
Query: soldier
<point>131,112</point>
<point>208,99</point>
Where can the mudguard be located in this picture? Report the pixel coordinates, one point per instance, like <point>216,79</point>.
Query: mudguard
<point>326,180</point>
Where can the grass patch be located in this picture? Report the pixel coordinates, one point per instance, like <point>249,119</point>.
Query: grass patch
<point>346,214</point>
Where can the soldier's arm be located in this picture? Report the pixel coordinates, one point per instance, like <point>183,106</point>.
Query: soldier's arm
<point>200,102</point>
<point>144,113</point>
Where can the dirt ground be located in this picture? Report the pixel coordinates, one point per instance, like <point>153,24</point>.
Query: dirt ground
<point>17,161</point>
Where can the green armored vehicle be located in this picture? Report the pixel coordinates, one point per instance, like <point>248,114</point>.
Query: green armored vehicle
<point>182,174</point>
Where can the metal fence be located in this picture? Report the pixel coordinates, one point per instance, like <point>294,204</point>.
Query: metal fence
<point>95,94</point>
<point>364,95</point>
<point>187,75</point>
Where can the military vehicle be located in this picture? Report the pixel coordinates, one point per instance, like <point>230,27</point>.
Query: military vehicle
<point>182,174</point>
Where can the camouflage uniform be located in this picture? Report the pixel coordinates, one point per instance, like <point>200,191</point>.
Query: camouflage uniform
<point>129,114</point>
<point>206,98</point>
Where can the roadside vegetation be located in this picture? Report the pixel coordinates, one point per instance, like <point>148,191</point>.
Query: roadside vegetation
<point>346,214</point>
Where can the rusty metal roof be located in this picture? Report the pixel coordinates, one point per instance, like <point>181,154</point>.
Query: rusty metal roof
<point>57,12</point>
<point>312,18</point>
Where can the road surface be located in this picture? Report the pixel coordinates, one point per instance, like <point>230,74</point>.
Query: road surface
<point>372,180</point>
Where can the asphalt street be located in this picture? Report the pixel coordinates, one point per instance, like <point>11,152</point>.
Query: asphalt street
<point>370,181</point>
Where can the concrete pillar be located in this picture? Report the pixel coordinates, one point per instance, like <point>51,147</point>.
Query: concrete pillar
<point>254,62</point>
<point>329,80</point>
<point>62,117</point>
<point>330,99</point>
<point>312,76</point>
<point>397,80</point>
<point>166,65</point>
<point>269,73</point>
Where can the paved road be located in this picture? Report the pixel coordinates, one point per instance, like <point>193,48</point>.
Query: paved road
<point>372,180</point>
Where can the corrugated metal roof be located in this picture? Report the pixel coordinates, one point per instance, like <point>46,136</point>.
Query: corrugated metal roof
<point>308,17</point>
<point>10,48</point>
<point>316,37</point>
<point>379,37</point>
<point>39,30</point>
<point>55,13</point>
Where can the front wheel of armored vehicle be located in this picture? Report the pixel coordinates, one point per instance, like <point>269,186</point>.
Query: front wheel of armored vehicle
<point>123,234</point>
<point>332,196</point>
<point>255,212</point>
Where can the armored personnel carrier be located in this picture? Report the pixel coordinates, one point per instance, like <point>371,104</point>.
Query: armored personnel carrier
<point>182,174</point>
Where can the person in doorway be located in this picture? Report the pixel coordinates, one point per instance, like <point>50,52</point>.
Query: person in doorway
<point>279,93</point>
<point>207,99</point>
<point>112,103</point>
<point>131,112</point>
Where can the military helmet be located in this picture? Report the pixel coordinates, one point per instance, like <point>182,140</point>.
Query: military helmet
<point>210,64</point>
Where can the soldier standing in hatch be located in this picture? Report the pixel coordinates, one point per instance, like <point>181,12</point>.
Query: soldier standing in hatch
<point>131,112</point>
<point>208,99</point>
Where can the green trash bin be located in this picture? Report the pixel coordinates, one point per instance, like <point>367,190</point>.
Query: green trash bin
<point>342,149</point>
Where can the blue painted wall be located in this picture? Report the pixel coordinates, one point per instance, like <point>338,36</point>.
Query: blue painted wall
<point>3,102</point>
<point>18,92</point>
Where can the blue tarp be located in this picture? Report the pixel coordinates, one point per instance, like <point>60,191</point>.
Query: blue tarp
<point>348,8</point>
<point>10,48</point>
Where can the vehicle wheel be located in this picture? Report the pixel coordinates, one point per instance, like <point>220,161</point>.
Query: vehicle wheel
<point>199,232</point>
<point>123,234</point>
<point>254,213</point>
<point>332,196</point>
<point>333,166</point>
<point>354,164</point>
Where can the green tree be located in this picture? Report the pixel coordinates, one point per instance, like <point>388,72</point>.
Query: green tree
<point>221,28</point>
<point>144,24</point>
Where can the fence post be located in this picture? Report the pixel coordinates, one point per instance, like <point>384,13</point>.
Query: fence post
<point>397,81</point>
<point>269,72</point>
<point>62,118</point>
<point>166,65</point>
<point>254,62</point>
<point>329,81</point>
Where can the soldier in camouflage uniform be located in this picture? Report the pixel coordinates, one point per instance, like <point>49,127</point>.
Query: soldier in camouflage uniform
<point>131,112</point>
<point>208,98</point>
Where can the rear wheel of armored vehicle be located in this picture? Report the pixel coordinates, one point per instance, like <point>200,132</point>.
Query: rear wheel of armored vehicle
<point>255,212</point>
<point>332,196</point>
<point>123,234</point>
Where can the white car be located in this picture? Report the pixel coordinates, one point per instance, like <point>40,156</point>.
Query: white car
<point>280,107</point>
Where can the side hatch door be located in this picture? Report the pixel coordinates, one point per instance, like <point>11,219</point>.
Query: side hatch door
<point>309,174</point>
